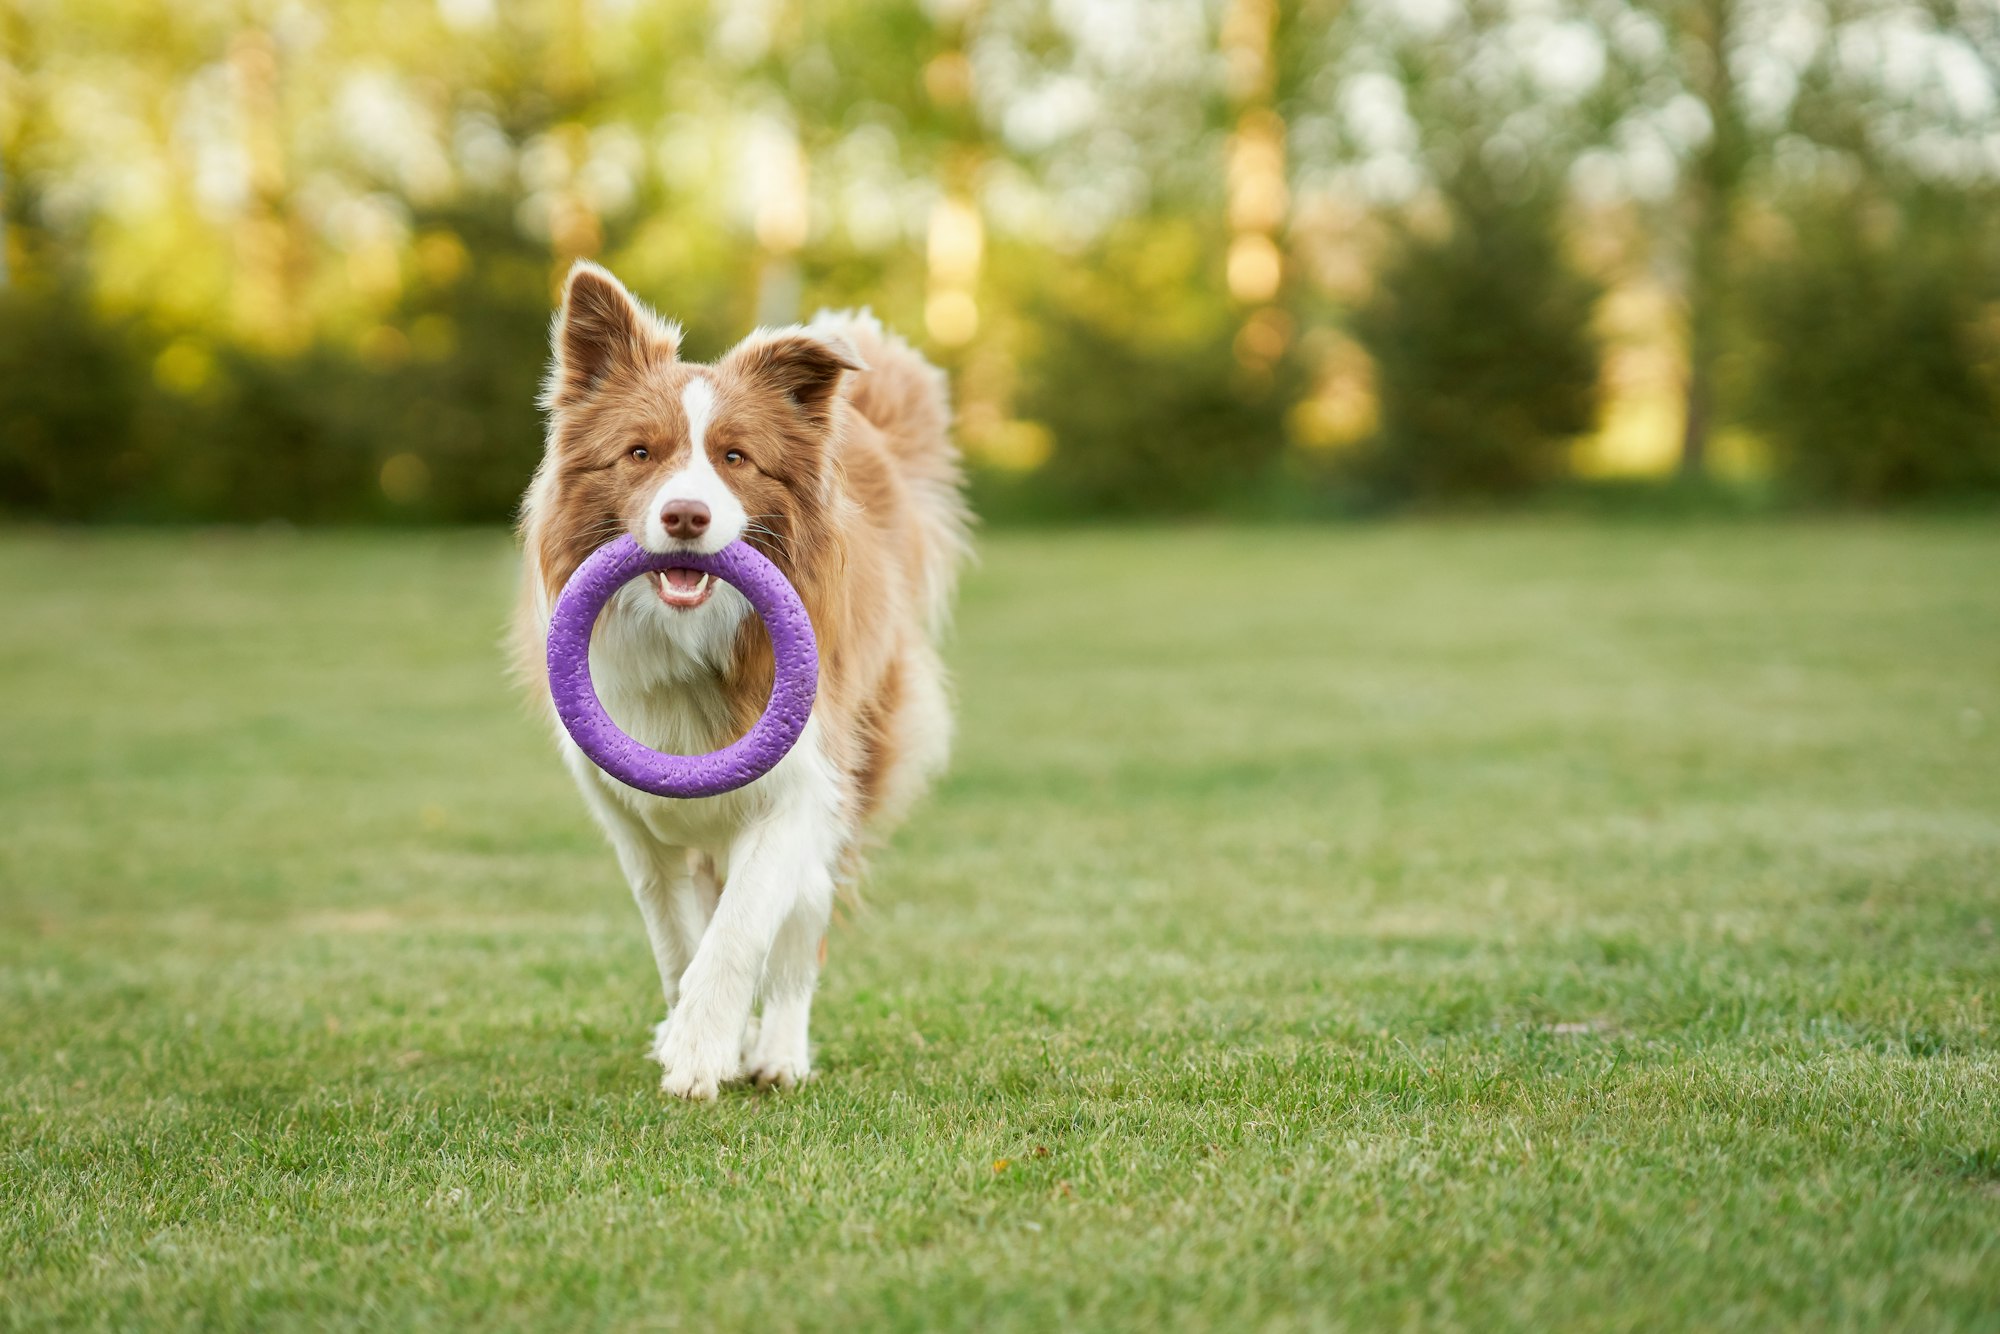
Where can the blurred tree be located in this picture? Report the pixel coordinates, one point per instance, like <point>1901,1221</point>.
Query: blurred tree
<point>1463,123</point>
<point>1703,39</point>
<point>322,236</point>
<point>1753,96</point>
<point>281,437</point>
<point>1485,361</point>
<point>466,347</point>
<point>1136,372</point>
<point>71,386</point>
<point>1876,374</point>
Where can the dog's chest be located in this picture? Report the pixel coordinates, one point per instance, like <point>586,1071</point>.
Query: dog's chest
<point>680,718</point>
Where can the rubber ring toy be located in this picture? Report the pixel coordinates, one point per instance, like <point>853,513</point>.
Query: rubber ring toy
<point>743,761</point>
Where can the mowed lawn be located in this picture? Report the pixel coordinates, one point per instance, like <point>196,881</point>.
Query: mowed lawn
<point>1454,926</point>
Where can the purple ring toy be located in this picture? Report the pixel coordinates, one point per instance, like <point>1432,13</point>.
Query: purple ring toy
<point>743,761</point>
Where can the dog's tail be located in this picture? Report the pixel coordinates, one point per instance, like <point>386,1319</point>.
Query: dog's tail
<point>908,401</point>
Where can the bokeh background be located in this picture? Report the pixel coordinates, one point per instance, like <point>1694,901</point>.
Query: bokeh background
<point>1543,920</point>
<point>293,259</point>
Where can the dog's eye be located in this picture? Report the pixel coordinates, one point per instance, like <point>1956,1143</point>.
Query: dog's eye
<point>641,453</point>
<point>733,456</point>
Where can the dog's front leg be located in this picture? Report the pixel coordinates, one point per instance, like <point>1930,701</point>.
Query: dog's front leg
<point>778,869</point>
<point>781,1055</point>
<point>665,885</point>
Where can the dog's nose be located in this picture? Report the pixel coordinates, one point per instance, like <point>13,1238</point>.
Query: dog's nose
<point>685,518</point>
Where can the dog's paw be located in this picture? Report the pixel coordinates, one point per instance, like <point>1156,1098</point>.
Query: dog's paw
<point>694,1069</point>
<point>773,1062</point>
<point>777,1074</point>
<point>690,1085</point>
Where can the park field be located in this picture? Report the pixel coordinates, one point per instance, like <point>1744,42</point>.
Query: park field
<point>1485,926</point>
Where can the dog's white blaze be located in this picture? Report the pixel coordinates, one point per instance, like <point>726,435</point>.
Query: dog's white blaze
<point>698,402</point>
<point>697,480</point>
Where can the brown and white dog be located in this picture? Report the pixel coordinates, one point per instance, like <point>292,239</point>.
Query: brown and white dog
<point>826,447</point>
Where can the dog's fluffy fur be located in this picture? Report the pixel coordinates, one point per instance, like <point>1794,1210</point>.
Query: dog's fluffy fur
<point>825,446</point>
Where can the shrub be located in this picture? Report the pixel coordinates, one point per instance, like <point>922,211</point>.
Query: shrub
<point>89,431</point>
<point>1135,372</point>
<point>1866,366</point>
<point>1485,360</point>
<point>71,387</point>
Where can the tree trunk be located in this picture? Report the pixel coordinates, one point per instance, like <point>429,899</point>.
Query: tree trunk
<point>1715,178</point>
<point>6,276</point>
<point>1704,295</point>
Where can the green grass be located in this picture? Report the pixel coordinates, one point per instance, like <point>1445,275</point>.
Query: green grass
<point>1531,926</point>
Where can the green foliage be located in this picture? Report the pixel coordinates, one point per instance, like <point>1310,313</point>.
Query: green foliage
<point>1134,369</point>
<point>463,398</point>
<point>259,198</point>
<point>1473,927</point>
<point>1145,428</point>
<point>1876,358</point>
<point>90,428</point>
<point>71,386</point>
<point>272,437</point>
<point>1486,362</point>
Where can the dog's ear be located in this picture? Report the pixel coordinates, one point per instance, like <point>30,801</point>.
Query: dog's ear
<point>803,366</point>
<point>601,329</point>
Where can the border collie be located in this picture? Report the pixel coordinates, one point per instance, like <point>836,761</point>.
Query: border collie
<point>826,446</point>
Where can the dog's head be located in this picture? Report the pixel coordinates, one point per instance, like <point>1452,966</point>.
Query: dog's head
<point>682,456</point>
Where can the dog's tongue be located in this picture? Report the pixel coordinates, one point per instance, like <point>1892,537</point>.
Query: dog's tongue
<point>684,580</point>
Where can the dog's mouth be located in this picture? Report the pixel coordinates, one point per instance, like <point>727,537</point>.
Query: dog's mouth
<point>683,588</point>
